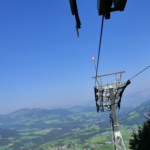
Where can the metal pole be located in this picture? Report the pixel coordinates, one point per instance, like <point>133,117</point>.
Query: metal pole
<point>118,140</point>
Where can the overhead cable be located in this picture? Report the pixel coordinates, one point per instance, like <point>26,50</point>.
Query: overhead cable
<point>140,72</point>
<point>101,33</point>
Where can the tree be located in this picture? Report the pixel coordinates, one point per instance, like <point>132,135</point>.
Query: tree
<point>141,139</point>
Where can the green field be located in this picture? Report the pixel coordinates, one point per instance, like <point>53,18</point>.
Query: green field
<point>77,128</point>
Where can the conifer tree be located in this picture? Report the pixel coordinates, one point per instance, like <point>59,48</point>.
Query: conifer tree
<point>141,139</point>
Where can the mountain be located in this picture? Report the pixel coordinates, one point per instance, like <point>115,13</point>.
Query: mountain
<point>77,127</point>
<point>136,115</point>
<point>135,99</point>
<point>26,117</point>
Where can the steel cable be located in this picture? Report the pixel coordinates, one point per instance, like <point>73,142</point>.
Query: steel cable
<point>139,72</point>
<point>101,33</point>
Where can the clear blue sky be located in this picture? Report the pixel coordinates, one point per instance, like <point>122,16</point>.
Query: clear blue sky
<point>44,64</point>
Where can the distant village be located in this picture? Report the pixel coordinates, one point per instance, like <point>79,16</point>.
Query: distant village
<point>91,146</point>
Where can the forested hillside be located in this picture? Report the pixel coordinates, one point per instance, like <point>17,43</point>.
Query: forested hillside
<point>77,127</point>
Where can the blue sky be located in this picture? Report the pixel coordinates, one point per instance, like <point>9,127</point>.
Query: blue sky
<point>44,64</point>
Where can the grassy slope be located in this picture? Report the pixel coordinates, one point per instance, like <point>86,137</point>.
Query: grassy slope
<point>78,128</point>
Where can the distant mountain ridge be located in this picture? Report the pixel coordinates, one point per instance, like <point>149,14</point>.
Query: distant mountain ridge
<point>135,115</point>
<point>20,117</point>
<point>24,115</point>
<point>40,129</point>
<point>135,99</point>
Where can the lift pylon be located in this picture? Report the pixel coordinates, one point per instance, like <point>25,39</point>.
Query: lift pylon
<point>108,98</point>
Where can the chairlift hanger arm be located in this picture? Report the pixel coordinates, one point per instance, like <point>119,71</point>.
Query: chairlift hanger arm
<point>74,10</point>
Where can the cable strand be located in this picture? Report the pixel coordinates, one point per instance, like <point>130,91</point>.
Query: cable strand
<point>101,33</point>
<point>139,72</point>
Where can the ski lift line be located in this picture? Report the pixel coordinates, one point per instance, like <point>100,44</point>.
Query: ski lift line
<point>99,46</point>
<point>139,72</point>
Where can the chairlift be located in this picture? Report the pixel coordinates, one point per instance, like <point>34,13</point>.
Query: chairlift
<point>105,7</point>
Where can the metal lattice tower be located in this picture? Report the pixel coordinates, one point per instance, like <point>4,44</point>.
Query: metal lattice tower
<point>108,98</point>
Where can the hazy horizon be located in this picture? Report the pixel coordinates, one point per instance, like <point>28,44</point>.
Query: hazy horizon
<point>137,98</point>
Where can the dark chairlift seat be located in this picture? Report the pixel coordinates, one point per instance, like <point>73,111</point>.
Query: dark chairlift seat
<point>105,7</point>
